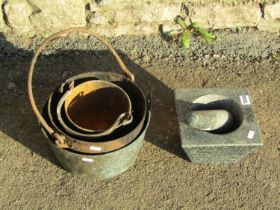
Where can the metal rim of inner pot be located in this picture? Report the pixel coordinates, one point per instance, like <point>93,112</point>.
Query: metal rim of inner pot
<point>118,138</point>
<point>97,96</point>
<point>60,138</point>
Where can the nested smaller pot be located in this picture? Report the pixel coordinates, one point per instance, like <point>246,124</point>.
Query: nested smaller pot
<point>118,138</point>
<point>94,108</point>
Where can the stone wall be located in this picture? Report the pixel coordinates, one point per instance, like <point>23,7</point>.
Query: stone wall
<point>26,19</point>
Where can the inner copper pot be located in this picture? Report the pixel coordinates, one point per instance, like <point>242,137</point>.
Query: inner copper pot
<point>97,106</point>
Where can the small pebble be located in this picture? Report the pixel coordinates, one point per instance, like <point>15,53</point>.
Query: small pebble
<point>134,54</point>
<point>146,58</point>
<point>11,86</point>
<point>64,74</point>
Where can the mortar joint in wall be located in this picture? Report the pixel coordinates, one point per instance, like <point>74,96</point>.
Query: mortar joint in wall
<point>262,6</point>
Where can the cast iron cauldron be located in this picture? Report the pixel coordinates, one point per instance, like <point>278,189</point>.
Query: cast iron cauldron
<point>81,159</point>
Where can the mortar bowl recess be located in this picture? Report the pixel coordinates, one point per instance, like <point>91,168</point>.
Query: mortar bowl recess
<point>219,102</point>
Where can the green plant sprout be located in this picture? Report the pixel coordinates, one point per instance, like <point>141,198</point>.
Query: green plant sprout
<point>186,32</point>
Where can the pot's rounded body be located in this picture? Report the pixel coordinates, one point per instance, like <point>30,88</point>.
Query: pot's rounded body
<point>101,166</point>
<point>75,153</point>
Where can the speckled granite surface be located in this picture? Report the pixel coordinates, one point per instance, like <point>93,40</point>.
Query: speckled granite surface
<point>218,147</point>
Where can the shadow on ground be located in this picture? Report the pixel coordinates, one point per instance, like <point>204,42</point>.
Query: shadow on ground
<point>20,123</point>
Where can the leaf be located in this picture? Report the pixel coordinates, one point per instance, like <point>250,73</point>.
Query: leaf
<point>207,36</point>
<point>180,21</point>
<point>194,25</point>
<point>186,39</point>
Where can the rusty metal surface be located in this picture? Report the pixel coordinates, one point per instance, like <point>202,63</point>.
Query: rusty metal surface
<point>94,108</point>
<point>118,138</point>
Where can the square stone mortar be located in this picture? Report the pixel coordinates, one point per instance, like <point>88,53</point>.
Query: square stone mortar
<point>205,147</point>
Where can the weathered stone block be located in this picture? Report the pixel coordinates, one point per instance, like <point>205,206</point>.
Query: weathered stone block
<point>2,22</point>
<point>36,17</point>
<point>218,16</point>
<point>146,12</point>
<point>228,144</point>
<point>158,12</point>
<point>17,15</point>
<point>127,15</point>
<point>269,25</point>
<point>98,19</point>
<point>272,11</point>
<point>53,16</point>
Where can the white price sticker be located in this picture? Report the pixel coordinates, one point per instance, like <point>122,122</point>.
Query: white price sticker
<point>95,148</point>
<point>251,134</point>
<point>245,100</point>
<point>87,160</point>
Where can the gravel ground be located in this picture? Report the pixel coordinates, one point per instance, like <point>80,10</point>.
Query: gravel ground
<point>162,177</point>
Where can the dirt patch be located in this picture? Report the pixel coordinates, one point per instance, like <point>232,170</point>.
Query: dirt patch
<point>162,177</point>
